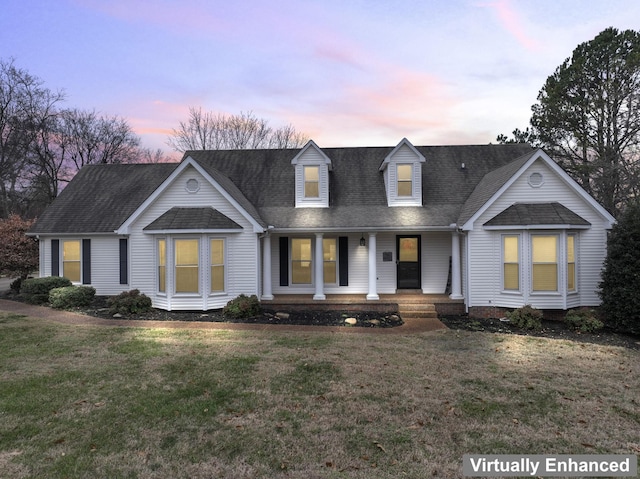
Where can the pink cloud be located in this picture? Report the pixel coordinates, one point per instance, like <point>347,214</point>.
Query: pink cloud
<point>513,23</point>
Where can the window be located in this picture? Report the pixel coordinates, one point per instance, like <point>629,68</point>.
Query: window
<point>301,261</point>
<point>311,182</point>
<point>330,254</point>
<point>511,262</point>
<point>162,265</point>
<point>544,263</point>
<point>405,180</point>
<point>187,271</point>
<point>71,260</point>
<point>571,263</point>
<point>217,265</point>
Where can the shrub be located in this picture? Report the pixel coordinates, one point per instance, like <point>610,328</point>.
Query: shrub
<point>129,302</point>
<point>526,317</point>
<point>71,297</point>
<point>19,253</point>
<point>36,290</point>
<point>242,307</point>
<point>620,286</point>
<point>583,320</point>
<point>15,285</point>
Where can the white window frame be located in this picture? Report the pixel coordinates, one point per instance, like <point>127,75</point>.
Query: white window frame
<point>334,261</point>
<point>224,266</point>
<point>305,168</point>
<point>518,236</point>
<point>558,263</point>
<point>174,267</point>
<point>79,261</point>
<point>411,180</point>
<point>575,262</point>
<point>158,265</point>
<point>311,261</point>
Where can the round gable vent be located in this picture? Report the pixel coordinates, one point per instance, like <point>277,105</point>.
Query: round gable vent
<point>536,179</point>
<point>192,185</point>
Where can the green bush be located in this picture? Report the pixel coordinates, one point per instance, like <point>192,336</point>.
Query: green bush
<point>71,297</point>
<point>526,317</point>
<point>620,286</point>
<point>583,320</point>
<point>242,307</point>
<point>36,290</point>
<point>129,302</point>
<point>16,284</point>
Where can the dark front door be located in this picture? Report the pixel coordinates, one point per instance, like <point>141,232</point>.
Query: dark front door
<point>409,262</point>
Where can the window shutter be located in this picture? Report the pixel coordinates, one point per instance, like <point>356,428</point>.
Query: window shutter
<point>343,260</point>
<point>284,261</point>
<point>55,257</point>
<point>124,261</point>
<point>86,261</point>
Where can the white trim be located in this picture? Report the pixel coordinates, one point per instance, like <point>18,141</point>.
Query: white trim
<point>563,175</point>
<point>189,161</point>
<point>403,142</point>
<point>537,227</point>
<point>312,144</point>
<point>192,231</point>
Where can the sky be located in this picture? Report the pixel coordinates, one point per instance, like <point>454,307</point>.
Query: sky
<point>345,72</point>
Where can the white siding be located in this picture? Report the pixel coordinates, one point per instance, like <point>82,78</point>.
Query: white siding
<point>485,248</point>
<point>404,155</point>
<point>105,262</point>
<point>242,248</point>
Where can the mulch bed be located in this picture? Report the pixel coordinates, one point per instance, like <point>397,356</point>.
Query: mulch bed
<point>550,329</point>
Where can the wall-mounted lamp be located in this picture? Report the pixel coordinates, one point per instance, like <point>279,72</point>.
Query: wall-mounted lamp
<point>362,241</point>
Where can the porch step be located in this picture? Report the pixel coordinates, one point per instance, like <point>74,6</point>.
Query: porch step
<point>416,310</point>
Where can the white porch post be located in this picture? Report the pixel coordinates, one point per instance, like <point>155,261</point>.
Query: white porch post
<point>319,269</point>
<point>267,291</point>
<point>456,279</point>
<point>373,274</point>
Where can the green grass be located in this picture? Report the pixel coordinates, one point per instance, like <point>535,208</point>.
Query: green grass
<point>81,401</point>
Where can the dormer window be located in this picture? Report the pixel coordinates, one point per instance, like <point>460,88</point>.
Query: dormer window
<point>311,182</point>
<point>402,170</point>
<point>312,168</point>
<point>405,180</point>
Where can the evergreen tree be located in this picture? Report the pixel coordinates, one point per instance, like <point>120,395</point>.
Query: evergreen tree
<point>620,286</point>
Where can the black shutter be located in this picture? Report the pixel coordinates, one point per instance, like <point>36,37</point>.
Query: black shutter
<point>284,261</point>
<point>124,261</point>
<point>343,260</point>
<point>55,257</point>
<point>86,261</point>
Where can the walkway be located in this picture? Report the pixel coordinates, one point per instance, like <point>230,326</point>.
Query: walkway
<point>411,326</point>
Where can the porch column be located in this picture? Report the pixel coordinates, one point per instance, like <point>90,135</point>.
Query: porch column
<point>319,269</point>
<point>373,274</point>
<point>267,291</point>
<point>456,279</point>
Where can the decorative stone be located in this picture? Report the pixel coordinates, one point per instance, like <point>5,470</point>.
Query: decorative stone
<point>351,321</point>
<point>282,315</point>
<point>394,318</point>
<point>117,316</point>
<point>375,322</point>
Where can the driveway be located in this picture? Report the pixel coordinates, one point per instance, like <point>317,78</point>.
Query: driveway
<point>4,283</point>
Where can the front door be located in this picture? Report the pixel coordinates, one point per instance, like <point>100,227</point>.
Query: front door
<point>409,262</point>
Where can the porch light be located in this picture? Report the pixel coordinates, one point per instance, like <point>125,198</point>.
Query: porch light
<point>362,241</point>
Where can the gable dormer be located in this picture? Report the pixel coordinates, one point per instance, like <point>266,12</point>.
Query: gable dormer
<point>402,170</point>
<point>312,177</point>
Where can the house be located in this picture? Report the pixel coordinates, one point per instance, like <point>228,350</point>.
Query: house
<point>491,226</point>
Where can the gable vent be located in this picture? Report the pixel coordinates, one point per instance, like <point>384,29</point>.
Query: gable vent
<point>536,180</point>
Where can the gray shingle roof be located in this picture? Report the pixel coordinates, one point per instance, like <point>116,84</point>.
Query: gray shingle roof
<point>357,196</point>
<point>192,219</point>
<point>101,197</point>
<point>525,214</point>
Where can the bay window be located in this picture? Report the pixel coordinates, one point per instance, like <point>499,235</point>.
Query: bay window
<point>217,265</point>
<point>162,265</point>
<point>544,262</point>
<point>571,263</point>
<point>187,271</point>
<point>511,262</point>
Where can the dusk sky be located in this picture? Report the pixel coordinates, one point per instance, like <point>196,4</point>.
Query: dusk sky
<point>346,73</point>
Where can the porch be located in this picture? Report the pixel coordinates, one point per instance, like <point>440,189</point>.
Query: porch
<point>408,305</point>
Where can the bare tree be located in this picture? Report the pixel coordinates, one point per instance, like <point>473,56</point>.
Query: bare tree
<point>211,131</point>
<point>25,106</point>
<point>91,139</point>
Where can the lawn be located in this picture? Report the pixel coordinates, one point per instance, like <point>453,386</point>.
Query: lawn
<point>98,402</point>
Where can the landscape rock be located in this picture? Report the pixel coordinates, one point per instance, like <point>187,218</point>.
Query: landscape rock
<point>351,321</point>
<point>282,315</point>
